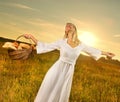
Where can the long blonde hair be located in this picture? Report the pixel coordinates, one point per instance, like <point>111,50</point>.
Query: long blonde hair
<point>73,30</point>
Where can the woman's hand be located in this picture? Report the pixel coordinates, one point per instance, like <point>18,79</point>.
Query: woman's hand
<point>27,36</point>
<point>108,54</point>
<point>30,36</point>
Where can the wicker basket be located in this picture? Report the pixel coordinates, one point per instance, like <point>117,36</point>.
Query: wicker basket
<point>20,54</point>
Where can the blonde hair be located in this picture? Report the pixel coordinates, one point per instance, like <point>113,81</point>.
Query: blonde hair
<point>73,30</point>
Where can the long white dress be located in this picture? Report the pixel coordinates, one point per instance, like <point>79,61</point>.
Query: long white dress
<point>57,82</point>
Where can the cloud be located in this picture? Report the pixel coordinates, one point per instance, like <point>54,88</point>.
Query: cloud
<point>21,6</point>
<point>49,30</point>
<point>117,36</point>
<point>39,22</point>
<point>45,24</point>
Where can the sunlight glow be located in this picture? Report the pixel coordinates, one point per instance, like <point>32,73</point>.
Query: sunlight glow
<point>88,38</point>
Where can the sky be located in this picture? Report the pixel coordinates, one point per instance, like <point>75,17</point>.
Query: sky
<point>46,20</point>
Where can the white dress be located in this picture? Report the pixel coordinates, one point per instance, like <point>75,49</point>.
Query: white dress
<point>57,82</point>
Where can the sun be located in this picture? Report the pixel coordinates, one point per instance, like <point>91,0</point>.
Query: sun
<point>88,38</point>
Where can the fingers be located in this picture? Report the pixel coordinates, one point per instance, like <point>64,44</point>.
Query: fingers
<point>110,55</point>
<point>27,36</point>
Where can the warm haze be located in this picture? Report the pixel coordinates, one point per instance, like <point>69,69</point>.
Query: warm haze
<point>97,21</point>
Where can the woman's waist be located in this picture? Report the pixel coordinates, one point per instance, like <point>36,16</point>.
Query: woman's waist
<point>67,60</point>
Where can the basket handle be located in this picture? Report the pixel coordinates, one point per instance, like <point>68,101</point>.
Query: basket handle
<point>24,37</point>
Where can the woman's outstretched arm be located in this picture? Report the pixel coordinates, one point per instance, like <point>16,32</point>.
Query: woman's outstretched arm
<point>96,53</point>
<point>42,47</point>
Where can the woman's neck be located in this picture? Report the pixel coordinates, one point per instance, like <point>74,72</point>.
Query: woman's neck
<point>70,41</point>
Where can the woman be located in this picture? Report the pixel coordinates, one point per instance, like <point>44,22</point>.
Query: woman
<point>57,83</point>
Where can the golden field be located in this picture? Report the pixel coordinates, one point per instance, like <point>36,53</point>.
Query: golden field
<point>93,81</point>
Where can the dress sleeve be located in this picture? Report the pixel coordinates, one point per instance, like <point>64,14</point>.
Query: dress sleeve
<point>93,52</point>
<point>46,47</point>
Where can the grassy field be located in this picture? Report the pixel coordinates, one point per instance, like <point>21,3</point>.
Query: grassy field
<point>94,81</point>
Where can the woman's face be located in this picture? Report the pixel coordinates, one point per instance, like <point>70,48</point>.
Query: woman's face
<point>67,28</point>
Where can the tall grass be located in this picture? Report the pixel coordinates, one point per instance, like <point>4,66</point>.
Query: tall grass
<point>92,82</point>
